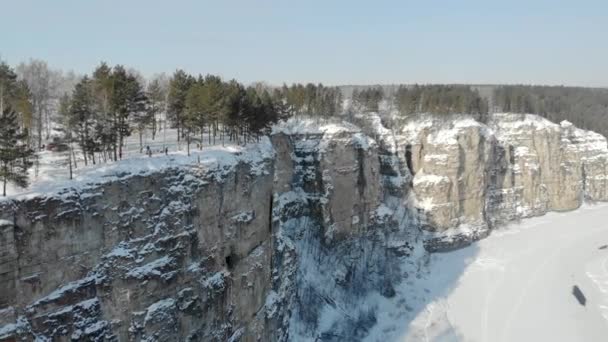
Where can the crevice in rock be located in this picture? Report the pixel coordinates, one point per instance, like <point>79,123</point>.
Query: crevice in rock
<point>408,158</point>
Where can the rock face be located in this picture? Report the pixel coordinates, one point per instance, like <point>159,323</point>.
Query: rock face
<point>100,265</point>
<point>284,245</point>
<point>478,175</point>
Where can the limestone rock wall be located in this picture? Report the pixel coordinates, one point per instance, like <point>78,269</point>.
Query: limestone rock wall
<point>450,163</point>
<point>343,226</point>
<point>478,175</point>
<point>182,254</point>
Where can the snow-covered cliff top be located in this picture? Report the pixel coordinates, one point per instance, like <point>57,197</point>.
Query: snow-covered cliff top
<point>310,125</point>
<point>504,126</point>
<point>217,160</point>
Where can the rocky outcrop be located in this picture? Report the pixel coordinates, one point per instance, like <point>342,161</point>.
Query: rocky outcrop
<point>285,242</point>
<point>475,176</point>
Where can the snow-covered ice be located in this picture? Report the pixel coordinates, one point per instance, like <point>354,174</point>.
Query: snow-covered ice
<point>515,285</point>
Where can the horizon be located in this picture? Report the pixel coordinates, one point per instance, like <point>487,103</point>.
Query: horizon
<point>338,43</point>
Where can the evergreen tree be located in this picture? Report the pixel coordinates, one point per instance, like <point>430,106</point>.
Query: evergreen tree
<point>119,103</point>
<point>81,118</point>
<point>15,155</point>
<point>23,105</point>
<point>138,105</point>
<point>213,102</point>
<point>128,101</point>
<point>157,96</point>
<point>194,117</point>
<point>176,102</point>
<point>8,81</point>
<point>234,108</point>
<point>105,119</point>
<point>64,111</point>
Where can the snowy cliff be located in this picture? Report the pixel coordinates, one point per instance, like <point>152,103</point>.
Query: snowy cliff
<point>476,176</point>
<point>297,238</point>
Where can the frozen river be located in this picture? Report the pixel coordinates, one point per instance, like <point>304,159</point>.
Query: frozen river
<point>519,285</point>
<point>515,285</point>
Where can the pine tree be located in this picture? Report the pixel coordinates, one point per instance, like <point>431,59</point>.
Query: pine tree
<point>105,120</point>
<point>128,100</point>
<point>8,80</point>
<point>119,107</point>
<point>138,107</point>
<point>15,155</point>
<point>157,96</point>
<point>23,106</point>
<point>80,118</point>
<point>195,115</point>
<point>234,108</point>
<point>64,110</point>
<point>214,93</point>
<point>176,102</point>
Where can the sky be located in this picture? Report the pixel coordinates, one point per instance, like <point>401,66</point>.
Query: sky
<point>336,42</point>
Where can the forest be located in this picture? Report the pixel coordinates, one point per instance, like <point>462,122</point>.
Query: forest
<point>585,107</point>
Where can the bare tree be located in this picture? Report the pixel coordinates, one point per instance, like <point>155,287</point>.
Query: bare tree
<point>157,90</point>
<point>37,75</point>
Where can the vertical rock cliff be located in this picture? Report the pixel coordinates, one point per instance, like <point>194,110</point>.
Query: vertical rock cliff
<point>295,239</point>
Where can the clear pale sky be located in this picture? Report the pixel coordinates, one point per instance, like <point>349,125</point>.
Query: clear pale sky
<point>334,42</point>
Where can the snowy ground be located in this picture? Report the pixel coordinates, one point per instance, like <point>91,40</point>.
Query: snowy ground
<point>52,172</point>
<point>515,285</point>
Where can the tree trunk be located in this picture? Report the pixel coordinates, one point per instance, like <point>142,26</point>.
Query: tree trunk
<point>48,124</point>
<point>165,134</point>
<point>141,143</point>
<point>84,151</point>
<point>120,141</point>
<point>188,142</point>
<point>70,161</point>
<point>73,155</point>
<point>154,125</point>
<point>114,142</point>
<point>39,129</point>
<point>4,187</point>
<point>222,134</point>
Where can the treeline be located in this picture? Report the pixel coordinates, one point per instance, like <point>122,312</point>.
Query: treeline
<point>103,110</point>
<point>440,99</point>
<point>97,112</point>
<point>368,99</point>
<point>309,99</point>
<point>196,105</point>
<point>585,107</point>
